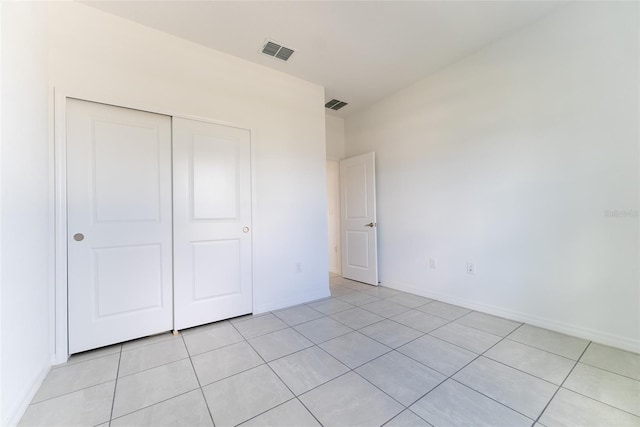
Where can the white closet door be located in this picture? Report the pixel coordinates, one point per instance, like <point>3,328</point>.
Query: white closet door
<point>212,222</point>
<point>119,224</point>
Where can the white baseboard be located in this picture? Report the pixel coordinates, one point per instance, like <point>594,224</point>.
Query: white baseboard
<point>298,299</point>
<point>16,414</point>
<point>600,337</point>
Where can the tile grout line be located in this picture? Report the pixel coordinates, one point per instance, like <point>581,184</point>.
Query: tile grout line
<point>261,335</point>
<point>519,370</point>
<point>603,403</point>
<point>408,342</point>
<point>482,330</point>
<point>214,349</point>
<point>563,381</point>
<point>608,371</point>
<point>153,404</point>
<point>70,364</point>
<point>266,363</point>
<point>210,350</point>
<point>454,373</point>
<point>414,308</point>
<point>299,306</point>
<point>69,392</point>
<point>261,413</point>
<point>354,371</point>
<point>361,327</point>
<point>195,374</point>
<point>154,367</point>
<point>115,387</point>
<point>542,349</point>
<point>391,349</point>
<point>308,410</point>
<point>483,354</point>
<point>319,385</point>
<point>432,336</point>
<point>404,407</point>
<point>324,341</point>
<point>538,348</point>
<point>160,401</point>
<point>491,398</point>
<point>282,381</point>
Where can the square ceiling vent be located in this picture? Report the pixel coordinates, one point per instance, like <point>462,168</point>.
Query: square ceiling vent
<point>335,104</point>
<point>276,50</point>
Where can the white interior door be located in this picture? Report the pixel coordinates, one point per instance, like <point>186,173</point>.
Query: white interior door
<point>212,222</point>
<point>119,224</point>
<point>358,217</point>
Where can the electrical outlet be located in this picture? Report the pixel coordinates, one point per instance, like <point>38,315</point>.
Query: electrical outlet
<point>471,269</point>
<point>433,263</point>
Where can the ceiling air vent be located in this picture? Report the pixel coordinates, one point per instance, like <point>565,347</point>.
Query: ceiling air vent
<point>335,104</point>
<point>276,50</point>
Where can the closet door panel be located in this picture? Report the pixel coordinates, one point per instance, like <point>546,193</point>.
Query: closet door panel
<point>212,222</point>
<point>119,224</point>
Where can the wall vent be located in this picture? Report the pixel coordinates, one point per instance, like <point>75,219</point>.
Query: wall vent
<point>276,50</point>
<point>335,104</point>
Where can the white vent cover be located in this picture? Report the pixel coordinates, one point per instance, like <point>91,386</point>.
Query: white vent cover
<point>276,50</point>
<point>335,104</point>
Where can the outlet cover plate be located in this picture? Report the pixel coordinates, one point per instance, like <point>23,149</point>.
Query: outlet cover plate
<point>471,269</point>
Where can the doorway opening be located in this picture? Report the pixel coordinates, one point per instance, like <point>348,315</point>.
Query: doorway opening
<point>333,217</point>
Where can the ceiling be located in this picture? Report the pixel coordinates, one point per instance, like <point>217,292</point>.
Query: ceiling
<point>360,51</point>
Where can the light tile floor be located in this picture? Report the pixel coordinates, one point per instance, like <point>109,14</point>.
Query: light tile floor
<point>367,356</point>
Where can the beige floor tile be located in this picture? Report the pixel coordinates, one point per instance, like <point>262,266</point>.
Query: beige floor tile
<point>613,389</point>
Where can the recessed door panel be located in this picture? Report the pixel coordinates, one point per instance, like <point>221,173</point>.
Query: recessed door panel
<point>216,269</point>
<point>127,279</point>
<point>212,222</point>
<point>126,172</point>
<point>356,187</point>
<point>215,178</point>
<point>357,249</point>
<point>119,224</point>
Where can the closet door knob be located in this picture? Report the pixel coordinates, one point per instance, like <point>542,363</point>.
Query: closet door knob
<point>245,230</point>
<point>78,237</point>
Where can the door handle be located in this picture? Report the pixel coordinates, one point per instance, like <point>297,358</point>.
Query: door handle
<point>245,230</point>
<point>78,237</point>
<point>371,224</point>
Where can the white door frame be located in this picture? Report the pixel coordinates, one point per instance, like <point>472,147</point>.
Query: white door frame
<point>59,166</point>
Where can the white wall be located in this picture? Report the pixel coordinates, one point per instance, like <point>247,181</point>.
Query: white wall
<point>510,159</point>
<point>335,137</point>
<point>333,216</point>
<point>102,57</point>
<point>25,221</point>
